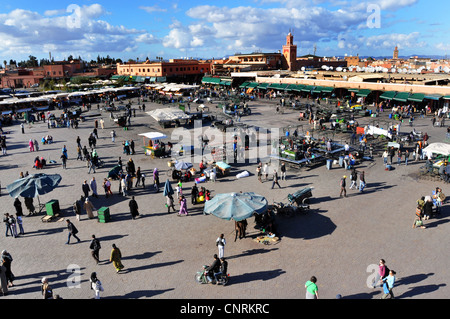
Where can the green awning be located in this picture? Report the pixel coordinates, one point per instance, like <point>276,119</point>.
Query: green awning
<point>226,82</point>
<point>243,85</point>
<point>140,79</point>
<point>262,86</point>
<point>327,89</point>
<point>252,85</point>
<point>353,90</point>
<point>274,86</point>
<point>308,88</point>
<point>209,80</point>
<point>435,97</point>
<point>282,86</point>
<point>401,97</point>
<point>298,88</point>
<point>363,93</point>
<point>117,77</point>
<point>416,97</point>
<point>317,89</point>
<point>290,87</point>
<point>446,97</point>
<point>389,95</point>
<point>153,79</point>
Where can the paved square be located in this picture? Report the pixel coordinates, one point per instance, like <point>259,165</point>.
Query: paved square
<point>337,241</point>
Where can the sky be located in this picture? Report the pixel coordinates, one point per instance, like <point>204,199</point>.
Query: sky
<point>215,29</point>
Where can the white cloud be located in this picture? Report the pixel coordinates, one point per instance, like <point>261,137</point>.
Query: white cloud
<point>152,9</point>
<point>76,29</point>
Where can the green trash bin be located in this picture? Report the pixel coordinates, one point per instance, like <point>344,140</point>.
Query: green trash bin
<point>52,208</point>
<point>103,215</point>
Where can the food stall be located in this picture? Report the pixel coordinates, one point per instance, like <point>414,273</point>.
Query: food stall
<point>168,116</point>
<point>154,147</point>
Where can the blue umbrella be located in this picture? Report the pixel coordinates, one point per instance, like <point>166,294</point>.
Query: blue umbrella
<point>168,190</point>
<point>182,165</point>
<point>236,206</point>
<point>33,185</point>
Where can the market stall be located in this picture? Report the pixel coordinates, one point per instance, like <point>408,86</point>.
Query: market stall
<point>154,147</point>
<point>168,116</point>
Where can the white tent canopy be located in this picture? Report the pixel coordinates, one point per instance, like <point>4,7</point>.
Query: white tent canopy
<point>438,148</point>
<point>168,114</point>
<point>154,135</point>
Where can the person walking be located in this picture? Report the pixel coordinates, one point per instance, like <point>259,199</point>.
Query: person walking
<point>183,206</point>
<point>12,223</point>
<point>91,165</point>
<point>385,157</point>
<point>259,173</point>
<point>7,260</point>
<point>343,186</point>
<point>64,161</point>
<point>89,208</point>
<point>116,258</point>
<point>156,179</point>
<point>312,291</point>
<point>283,171</point>
<point>18,207</point>
<point>138,177</point>
<point>20,223</point>
<point>95,249</point>
<point>388,285</point>
<point>77,208</point>
<point>93,185</point>
<point>362,181</point>
<point>170,203</point>
<point>73,231</point>
<point>265,171</point>
<point>113,136</point>
<point>29,205</point>
<point>86,189</point>
<point>3,281</point>
<point>96,285</point>
<point>353,179</point>
<point>79,153</point>
<point>107,187</point>
<point>134,209</point>
<point>381,273</point>
<point>31,145</point>
<point>275,179</point>
<point>220,243</point>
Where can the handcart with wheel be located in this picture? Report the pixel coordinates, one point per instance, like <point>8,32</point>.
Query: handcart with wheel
<point>301,197</point>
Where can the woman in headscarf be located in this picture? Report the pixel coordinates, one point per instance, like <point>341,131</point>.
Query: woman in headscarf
<point>183,206</point>
<point>89,208</point>
<point>7,261</point>
<point>156,178</point>
<point>46,289</point>
<point>96,285</point>
<point>116,257</point>
<point>134,209</point>
<point>31,144</point>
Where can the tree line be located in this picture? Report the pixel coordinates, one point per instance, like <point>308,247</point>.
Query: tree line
<point>33,62</point>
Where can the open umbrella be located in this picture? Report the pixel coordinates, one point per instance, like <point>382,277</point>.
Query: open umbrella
<point>33,185</point>
<point>236,206</point>
<point>168,190</point>
<point>182,165</point>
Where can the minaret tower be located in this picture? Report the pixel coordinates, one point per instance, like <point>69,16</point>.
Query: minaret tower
<point>289,53</point>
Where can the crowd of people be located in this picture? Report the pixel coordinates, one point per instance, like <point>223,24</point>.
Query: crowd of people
<point>131,177</point>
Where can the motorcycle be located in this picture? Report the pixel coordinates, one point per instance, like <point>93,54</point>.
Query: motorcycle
<point>201,277</point>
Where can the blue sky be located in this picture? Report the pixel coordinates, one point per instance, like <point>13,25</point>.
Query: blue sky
<point>207,29</point>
